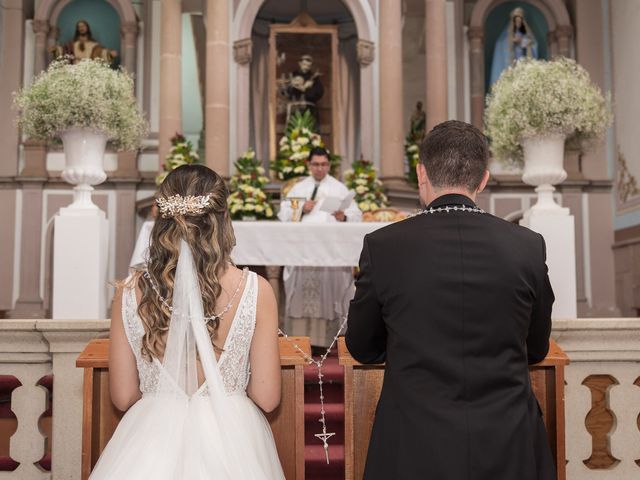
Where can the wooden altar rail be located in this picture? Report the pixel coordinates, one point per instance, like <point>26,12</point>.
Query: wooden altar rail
<point>100,417</point>
<point>363,383</point>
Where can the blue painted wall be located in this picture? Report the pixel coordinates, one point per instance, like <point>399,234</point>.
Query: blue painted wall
<point>101,17</point>
<point>498,19</point>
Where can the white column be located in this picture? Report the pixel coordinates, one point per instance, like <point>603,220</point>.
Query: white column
<point>80,264</point>
<point>558,230</point>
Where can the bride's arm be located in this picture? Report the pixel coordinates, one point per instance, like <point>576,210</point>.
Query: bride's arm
<point>123,372</point>
<point>264,357</point>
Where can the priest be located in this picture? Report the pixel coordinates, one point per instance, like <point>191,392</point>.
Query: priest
<point>318,297</point>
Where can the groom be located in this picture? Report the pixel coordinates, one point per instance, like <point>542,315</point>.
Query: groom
<point>457,302</point>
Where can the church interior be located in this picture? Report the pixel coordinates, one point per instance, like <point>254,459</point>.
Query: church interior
<point>248,88</point>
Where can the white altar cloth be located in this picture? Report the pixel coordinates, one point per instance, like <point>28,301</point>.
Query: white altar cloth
<point>300,244</point>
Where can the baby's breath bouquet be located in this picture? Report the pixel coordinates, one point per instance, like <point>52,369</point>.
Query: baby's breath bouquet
<point>294,147</point>
<point>363,179</point>
<point>248,198</point>
<point>88,94</point>
<point>539,97</point>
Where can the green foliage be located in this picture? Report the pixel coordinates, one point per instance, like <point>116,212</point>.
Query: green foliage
<point>248,197</point>
<point>294,147</point>
<point>181,153</point>
<point>363,179</point>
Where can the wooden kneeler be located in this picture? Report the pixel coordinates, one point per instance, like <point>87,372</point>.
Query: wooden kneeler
<point>363,383</point>
<point>100,417</point>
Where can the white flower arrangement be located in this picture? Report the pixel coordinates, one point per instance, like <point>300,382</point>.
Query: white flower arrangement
<point>88,94</point>
<point>295,146</point>
<point>250,201</point>
<point>248,197</point>
<point>538,97</point>
<point>362,179</point>
<point>181,153</point>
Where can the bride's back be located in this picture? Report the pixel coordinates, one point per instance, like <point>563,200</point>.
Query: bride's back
<point>193,208</point>
<point>165,319</point>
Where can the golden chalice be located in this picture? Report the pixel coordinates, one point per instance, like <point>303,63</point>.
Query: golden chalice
<point>296,206</point>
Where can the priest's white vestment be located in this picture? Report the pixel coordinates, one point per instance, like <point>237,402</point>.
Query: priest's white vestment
<point>317,297</point>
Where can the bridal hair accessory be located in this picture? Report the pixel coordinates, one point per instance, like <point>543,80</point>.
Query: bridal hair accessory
<point>206,319</point>
<point>179,205</point>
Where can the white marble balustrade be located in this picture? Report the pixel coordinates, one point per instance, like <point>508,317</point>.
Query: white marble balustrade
<point>602,347</point>
<point>30,349</point>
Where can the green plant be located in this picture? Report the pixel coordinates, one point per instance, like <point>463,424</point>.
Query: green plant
<point>89,94</point>
<point>248,197</point>
<point>538,97</point>
<point>412,154</point>
<point>181,153</point>
<point>294,147</point>
<point>363,179</point>
<point>248,201</point>
<point>249,171</point>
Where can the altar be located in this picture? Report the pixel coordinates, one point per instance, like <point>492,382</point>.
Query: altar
<point>300,244</point>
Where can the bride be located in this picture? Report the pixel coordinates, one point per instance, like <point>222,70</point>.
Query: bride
<point>194,349</point>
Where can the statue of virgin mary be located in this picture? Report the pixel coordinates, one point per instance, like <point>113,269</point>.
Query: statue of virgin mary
<point>515,42</point>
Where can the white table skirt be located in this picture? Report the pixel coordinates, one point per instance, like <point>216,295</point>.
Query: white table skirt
<point>300,244</point>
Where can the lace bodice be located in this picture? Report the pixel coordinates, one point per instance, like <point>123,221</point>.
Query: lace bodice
<point>234,361</point>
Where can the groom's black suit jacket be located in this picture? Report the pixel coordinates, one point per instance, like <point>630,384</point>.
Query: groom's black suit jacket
<point>457,304</point>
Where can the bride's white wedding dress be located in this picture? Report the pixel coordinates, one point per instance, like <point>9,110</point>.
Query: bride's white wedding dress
<point>217,432</point>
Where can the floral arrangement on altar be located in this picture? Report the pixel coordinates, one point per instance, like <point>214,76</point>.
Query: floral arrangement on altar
<point>412,153</point>
<point>539,97</point>
<point>181,153</point>
<point>248,198</point>
<point>294,147</point>
<point>363,180</point>
<point>89,94</point>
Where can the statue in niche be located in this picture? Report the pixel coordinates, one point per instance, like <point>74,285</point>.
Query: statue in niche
<point>514,43</point>
<point>83,46</point>
<point>418,124</point>
<point>304,89</point>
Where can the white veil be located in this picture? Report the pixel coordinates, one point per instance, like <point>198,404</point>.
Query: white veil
<point>187,342</point>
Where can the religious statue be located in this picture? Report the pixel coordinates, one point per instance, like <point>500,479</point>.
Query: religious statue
<point>83,46</point>
<point>515,42</point>
<point>418,124</point>
<point>304,89</point>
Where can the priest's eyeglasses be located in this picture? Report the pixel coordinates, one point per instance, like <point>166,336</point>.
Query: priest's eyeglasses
<point>319,164</point>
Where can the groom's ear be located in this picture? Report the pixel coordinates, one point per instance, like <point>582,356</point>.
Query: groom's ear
<point>483,182</point>
<point>421,172</point>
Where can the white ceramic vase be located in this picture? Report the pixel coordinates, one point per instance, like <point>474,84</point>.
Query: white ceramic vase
<point>543,167</point>
<point>84,164</point>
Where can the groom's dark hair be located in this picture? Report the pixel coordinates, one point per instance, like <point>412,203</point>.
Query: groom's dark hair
<point>455,154</point>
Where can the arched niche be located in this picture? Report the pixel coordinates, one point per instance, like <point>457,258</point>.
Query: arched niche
<point>559,36</point>
<point>496,23</point>
<point>367,31</point>
<point>46,31</point>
